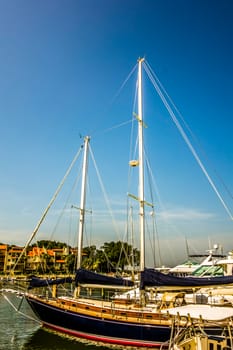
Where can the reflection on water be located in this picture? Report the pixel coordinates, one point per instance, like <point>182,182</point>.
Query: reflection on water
<point>20,333</point>
<point>44,340</point>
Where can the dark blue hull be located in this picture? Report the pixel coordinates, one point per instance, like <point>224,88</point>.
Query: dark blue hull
<point>99,329</point>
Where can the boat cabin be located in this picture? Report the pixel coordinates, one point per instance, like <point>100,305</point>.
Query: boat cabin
<point>202,342</point>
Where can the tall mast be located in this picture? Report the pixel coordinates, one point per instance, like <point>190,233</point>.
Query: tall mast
<point>141,167</point>
<point>83,200</point>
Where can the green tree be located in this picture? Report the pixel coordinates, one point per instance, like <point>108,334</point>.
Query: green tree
<point>70,263</point>
<point>89,258</point>
<point>115,255</point>
<point>49,244</point>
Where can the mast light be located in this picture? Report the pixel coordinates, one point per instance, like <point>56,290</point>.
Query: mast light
<point>134,163</point>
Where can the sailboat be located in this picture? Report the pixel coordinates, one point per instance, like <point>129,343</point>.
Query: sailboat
<point>136,323</point>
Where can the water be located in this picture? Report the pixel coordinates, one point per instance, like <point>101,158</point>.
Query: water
<point>20,333</point>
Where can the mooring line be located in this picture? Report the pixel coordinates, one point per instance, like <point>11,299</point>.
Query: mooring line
<point>20,312</point>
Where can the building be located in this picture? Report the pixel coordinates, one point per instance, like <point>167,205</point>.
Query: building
<point>3,258</point>
<point>13,254</point>
<point>36,260</point>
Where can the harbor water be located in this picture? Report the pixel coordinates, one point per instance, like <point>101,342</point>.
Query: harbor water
<point>18,332</point>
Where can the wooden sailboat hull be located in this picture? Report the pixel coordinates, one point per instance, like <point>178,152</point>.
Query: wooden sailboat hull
<point>99,329</point>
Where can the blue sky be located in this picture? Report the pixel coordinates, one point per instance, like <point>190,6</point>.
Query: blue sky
<point>62,65</point>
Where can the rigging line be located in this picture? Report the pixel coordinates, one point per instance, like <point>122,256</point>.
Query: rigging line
<point>119,258</point>
<point>132,127</point>
<point>169,98</point>
<point>104,191</point>
<point>39,256</point>
<point>48,207</point>
<point>107,259</point>
<point>88,237</point>
<point>188,143</point>
<point>104,131</point>
<point>123,250</point>
<point>116,126</point>
<point>69,240</point>
<point>156,188</point>
<point>188,128</point>
<point>113,99</point>
<point>131,256</point>
<point>151,242</point>
<point>123,84</point>
<point>162,206</point>
<point>155,228</point>
<point>132,152</point>
<point>153,213</point>
<point>127,241</point>
<point>151,199</point>
<point>65,207</point>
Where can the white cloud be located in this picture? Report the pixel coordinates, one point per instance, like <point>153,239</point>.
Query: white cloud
<point>186,214</point>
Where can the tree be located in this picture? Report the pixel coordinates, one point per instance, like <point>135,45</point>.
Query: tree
<point>116,255</point>
<point>111,257</point>
<point>89,257</point>
<point>49,244</point>
<point>70,263</point>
